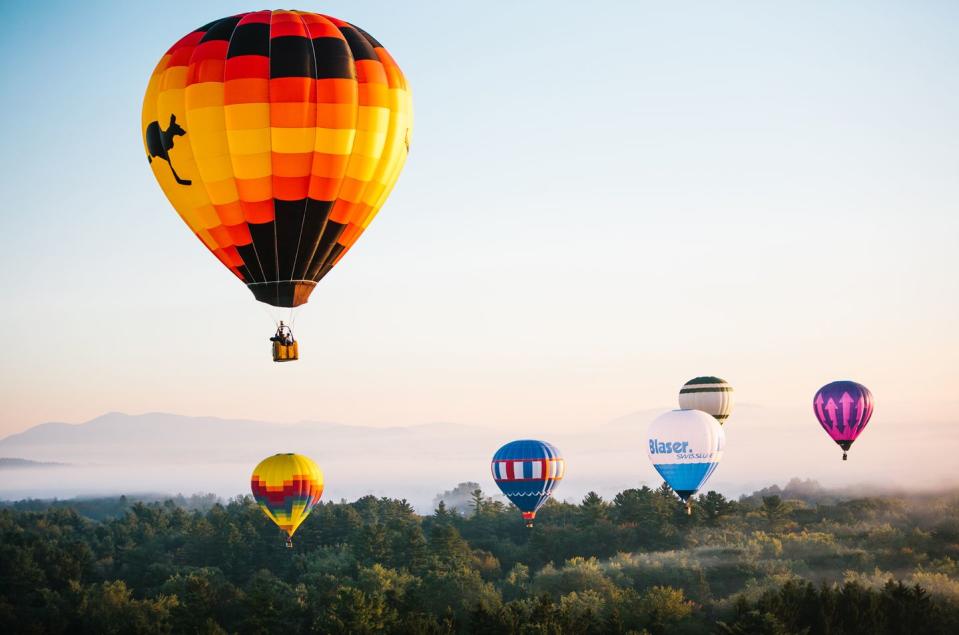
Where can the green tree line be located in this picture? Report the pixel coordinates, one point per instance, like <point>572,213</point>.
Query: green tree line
<point>634,564</point>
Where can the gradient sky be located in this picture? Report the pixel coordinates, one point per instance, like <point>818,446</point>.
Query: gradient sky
<point>599,204</point>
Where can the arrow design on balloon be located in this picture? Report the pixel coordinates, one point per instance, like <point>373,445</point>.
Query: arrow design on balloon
<point>831,408</point>
<point>819,402</point>
<point>846,401</point>
<point>860,410</point>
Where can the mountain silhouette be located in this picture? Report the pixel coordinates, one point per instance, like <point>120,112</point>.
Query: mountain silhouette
<point>163,452</point>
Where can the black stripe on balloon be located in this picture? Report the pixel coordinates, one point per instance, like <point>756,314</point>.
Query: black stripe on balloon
<point>289,220</point>
<point>250,39</point>
<point>220,30</point>
<point>333,59</point>
<point>334,254</point>
<point>359,45</point>
<point>313,229</point>
<point>206,27</point>
<point>250,264</point>
<point>330,260</point>
<point>705,380</point>
<point>369,38</point>
<point>263,239</point>
<point>331,232</point>
<point>244,271</point>
<point>291,56</point>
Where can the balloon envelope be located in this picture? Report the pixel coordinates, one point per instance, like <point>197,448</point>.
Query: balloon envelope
<point>527,471</point>
<point>287,487</point>
<point>277,136</point>
<point>843,409</point>
<point>685,447</point>
<point>712,395</point>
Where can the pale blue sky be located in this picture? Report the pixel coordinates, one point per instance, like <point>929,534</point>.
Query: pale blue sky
<point>600,203</point>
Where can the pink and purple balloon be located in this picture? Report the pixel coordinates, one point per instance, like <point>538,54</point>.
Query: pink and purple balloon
<point>843,409</point>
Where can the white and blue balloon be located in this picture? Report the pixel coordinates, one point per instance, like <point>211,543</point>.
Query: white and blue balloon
<point>685,446</point>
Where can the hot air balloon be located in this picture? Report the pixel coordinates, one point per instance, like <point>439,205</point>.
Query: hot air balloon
<point>712,395</point>
<point>277,136</point>
<point>685,446</point>
<point>287,487</point>
<point>527,471</point>
<point>843,409</point>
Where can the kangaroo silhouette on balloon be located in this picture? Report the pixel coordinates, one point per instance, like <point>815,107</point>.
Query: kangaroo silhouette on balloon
<point>159,143</point>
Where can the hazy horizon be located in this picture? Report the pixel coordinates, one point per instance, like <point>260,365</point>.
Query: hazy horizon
<point>170,454</point>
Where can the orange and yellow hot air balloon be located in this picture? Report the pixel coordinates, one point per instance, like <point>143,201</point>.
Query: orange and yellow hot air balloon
<point>277,136</point>
<point>287,487</point>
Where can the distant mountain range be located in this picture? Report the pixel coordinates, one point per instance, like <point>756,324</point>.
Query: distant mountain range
<point>117,438</point>
<point>161,452</point>
<point>21,464</point>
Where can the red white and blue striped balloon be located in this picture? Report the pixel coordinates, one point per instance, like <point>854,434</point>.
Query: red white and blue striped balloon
<point>527,471</point>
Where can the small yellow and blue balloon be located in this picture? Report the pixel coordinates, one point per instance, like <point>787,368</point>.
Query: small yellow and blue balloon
<point>711,395</point>
<point>287,487</point>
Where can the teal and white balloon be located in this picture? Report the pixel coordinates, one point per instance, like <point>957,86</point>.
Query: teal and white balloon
<point>685,447</point>
<point>712,395</point>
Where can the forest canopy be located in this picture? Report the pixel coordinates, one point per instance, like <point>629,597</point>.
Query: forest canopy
<point>767,563</point>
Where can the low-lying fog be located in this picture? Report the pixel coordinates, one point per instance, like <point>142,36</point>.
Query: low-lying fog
<point>169,454</point>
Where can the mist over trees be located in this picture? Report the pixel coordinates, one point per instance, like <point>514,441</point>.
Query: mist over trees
<point>767,563</point>
<point>466,498</point>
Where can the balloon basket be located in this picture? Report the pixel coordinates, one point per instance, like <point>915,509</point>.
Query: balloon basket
<point>286,353</point>
<point>844,456</point>
<point>689,509</point>
<point>289,543</point>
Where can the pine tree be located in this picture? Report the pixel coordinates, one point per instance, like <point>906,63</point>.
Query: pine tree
<point>477,501</point>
